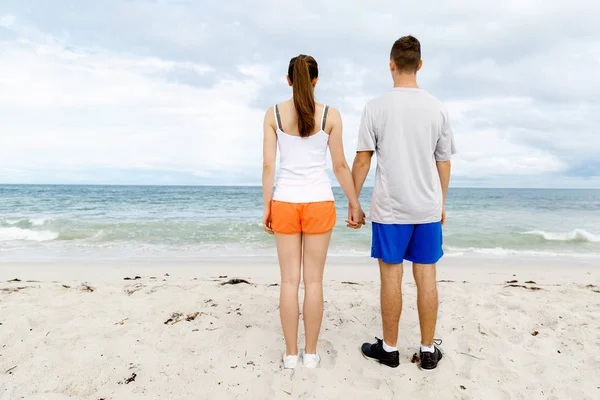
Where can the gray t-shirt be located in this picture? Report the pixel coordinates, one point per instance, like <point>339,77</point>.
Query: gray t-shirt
<point>409,130</point>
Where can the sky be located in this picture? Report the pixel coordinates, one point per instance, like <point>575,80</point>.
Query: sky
<point>175,91</point>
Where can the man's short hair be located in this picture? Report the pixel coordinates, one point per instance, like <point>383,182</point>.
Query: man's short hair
<point>406,54</point>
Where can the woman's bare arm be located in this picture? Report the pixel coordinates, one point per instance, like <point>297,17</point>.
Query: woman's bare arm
<point>269,162</point>
<point>340,166</point>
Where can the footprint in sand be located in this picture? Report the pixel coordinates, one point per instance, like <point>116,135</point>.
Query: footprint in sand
<point>136,287</point>
<point>328,354</point>
<point>155,289</point>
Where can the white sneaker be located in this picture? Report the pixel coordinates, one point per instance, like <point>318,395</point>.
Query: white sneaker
<point>311,360</point>
<point>290,362</point>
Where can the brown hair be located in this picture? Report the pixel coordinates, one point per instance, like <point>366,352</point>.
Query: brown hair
<point>302,71</point>
<point>406,54</point>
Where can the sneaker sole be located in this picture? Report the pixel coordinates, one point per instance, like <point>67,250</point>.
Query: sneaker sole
<point>377,361</point>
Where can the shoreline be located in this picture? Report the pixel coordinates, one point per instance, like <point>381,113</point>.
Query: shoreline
<point>337,268</point>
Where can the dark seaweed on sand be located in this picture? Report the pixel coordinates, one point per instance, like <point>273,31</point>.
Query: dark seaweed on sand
<point>235,281</point>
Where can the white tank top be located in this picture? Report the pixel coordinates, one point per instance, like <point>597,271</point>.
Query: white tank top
<point>302,176</point>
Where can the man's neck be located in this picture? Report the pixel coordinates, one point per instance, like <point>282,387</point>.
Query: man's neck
<point>406,81</point>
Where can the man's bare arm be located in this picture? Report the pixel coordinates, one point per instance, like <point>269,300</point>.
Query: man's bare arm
<point>360,169</point>
<point>444,168</point>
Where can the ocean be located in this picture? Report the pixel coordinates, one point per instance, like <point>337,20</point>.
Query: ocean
<point>79,223</point>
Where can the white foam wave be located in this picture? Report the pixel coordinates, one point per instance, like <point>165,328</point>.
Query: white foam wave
<point>18,234</point>
<point>495,251</point>
<point>500,251</point>
<point>576,235</point>
<point>30,221</point>
<point>99,235</point>
<point>348,253</point>
<point>38,221</point>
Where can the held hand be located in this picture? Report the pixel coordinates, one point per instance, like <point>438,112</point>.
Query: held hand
<point>356,217</point>
<point>267,221</point>
<point>443,216</point>
<point>350,223</point>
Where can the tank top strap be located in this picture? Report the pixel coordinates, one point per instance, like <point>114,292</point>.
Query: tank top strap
<point>324,117</point>
<point>277,117</point>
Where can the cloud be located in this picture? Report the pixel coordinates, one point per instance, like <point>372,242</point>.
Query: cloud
<point>103,109</point>
<point>124,91</point>
<point>6,21</point>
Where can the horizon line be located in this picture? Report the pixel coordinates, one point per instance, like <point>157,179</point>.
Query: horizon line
<point>258,186</point>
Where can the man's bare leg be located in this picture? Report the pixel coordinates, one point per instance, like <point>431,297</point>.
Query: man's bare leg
<point>384,351</point>
<point>427,300</point>
<point>391,300</point>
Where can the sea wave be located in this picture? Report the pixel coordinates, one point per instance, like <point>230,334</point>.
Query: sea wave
<point>15,233</point>
<point>501,251</point>
<point>576,235</point>
<point>26,221</point>
<point>39,221</point>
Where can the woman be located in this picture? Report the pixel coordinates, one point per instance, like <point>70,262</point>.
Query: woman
<point>301,211</point>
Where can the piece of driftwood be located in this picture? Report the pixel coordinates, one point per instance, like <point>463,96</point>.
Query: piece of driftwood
<point>191,317</point>
<point>534,288</point>
<point>472,356</point>
<point>87,288</point>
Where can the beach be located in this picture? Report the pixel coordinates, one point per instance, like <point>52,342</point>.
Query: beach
<point>156,157</point>
<point>512,328</point>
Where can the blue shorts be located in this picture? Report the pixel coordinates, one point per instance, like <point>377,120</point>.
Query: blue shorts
<point>421,244</point>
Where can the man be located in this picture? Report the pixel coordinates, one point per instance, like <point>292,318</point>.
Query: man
<point>409,130</point>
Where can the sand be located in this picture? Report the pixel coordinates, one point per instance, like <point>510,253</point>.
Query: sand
<point>83,332</point>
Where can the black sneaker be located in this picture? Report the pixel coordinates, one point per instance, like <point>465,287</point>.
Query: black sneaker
<point>430,360</point>
<point>376,352</point>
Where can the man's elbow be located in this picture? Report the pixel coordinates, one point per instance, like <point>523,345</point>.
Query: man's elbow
<point>361,163</point>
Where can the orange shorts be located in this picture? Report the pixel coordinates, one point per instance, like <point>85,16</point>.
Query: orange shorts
<point>310,218</point>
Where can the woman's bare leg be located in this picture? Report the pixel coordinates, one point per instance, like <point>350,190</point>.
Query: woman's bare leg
<point>315,254</point>
<point>289,251</point>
